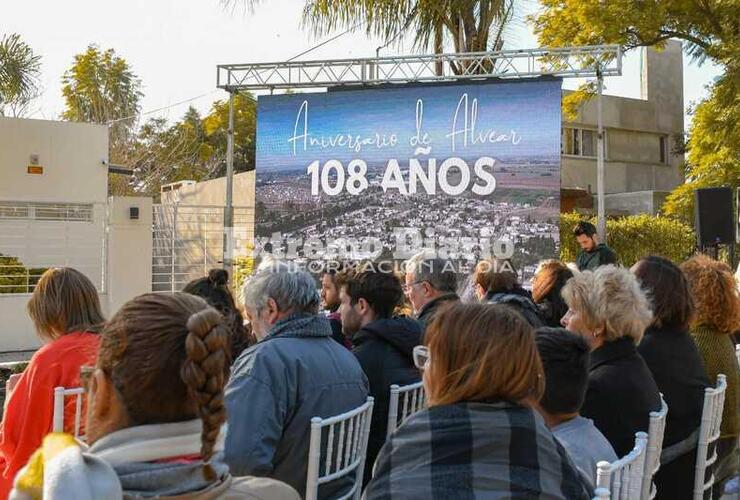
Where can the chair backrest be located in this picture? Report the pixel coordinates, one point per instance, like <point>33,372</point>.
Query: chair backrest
<point>709,430</point>
<point>656,431</point>
<point>341,449</point>
<point>404,402</point>
<point>623,478</point>
<point>60,393</point>
<point>601,494</point>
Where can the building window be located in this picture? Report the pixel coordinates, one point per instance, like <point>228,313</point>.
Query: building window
<point>579,142</point>
<point>68,212</point>
<point>664,149</point>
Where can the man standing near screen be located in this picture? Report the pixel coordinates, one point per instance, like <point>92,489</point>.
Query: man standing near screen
<point>593,254</point>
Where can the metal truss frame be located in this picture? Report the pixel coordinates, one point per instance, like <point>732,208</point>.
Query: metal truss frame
<point>571,62</point>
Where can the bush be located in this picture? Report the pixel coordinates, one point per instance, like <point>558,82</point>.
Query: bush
<point>13,275</point>
<point>633,237</point>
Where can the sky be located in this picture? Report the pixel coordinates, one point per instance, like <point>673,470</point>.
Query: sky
<point>175,45</point>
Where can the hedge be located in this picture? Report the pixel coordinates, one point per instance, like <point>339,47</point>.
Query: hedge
<point>634,237</point>
<point>15,277</point>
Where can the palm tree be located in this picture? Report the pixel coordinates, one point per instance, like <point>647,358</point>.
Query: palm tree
<point>19,75</point>
<point>468,25</point>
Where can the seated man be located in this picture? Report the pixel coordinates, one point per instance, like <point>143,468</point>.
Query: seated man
<point>565,359</point>
<point>294,373</point>
<point>383,344</point>
<point>330,303</point>
<point>430,285</point>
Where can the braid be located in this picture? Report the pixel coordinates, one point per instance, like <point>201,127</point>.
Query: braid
<point>204,373</point>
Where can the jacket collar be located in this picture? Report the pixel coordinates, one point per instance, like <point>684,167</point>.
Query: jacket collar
<point>432,304</point>
<point>610,351</point>
<point>301,325</point>
<point>146,443</point>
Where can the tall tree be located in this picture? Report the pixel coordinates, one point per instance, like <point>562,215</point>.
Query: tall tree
<point>216,126</point>
<point>193,148</point>
<point>100,87</point>
<point>466,25</point>
<point>709,29</point>
<point>19,75</point>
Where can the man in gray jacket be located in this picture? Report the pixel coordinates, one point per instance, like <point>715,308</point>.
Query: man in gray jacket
<point>295,372</point>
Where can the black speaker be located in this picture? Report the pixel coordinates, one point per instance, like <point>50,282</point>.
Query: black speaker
<point>714,217</point>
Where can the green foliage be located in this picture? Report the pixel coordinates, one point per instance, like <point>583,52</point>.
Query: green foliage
<point>633,237</point>
<point>482,20</point>
<point>19,75</point>
<point>243,269</point>
<point>216,126</point>
<point>12,275</point>
<point>15,277</point>
<point>100,87</point>
<point>708,29</point>
<point>713,148</point>
<point>193,148</point>
<point>467,25</point>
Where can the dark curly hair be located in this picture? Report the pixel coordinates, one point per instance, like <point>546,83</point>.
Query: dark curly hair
<point>214,289</point>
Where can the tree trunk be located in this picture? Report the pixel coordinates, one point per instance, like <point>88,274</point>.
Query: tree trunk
<point>438,48</point>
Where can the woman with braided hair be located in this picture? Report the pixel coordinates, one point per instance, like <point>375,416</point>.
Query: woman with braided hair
<point>156,409</point>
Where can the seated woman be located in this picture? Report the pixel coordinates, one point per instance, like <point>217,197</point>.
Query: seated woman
<point>155,413</point>
<point>608,308</point>
<point>65,310</point>
<point>548,282</point>
<point>479,436</point>
<point>214,288</point>
<point>715,293</point>
<point>673,359</point>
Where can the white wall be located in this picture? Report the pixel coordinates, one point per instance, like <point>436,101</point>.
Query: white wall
<point>71,154</point>
<point>129,250</point>
<point>16,328</point>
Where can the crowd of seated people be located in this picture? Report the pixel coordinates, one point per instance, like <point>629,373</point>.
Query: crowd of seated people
<point>191,395</point>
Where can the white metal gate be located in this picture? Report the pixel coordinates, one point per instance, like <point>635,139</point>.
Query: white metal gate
<point>35,236</point>
<point>187,241</point>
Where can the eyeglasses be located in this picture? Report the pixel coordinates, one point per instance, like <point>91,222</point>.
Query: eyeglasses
<point>408,286</point>
<point>421,357</point>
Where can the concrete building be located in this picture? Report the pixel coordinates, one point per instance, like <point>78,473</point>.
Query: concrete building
<point>55,211</point>
<point>640,165</point>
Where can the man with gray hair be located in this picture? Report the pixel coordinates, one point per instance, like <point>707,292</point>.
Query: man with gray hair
<point>294,373</point>
<point>430,284</point>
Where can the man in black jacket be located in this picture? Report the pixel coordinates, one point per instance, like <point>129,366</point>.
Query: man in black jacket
<point>382,343</point>
<point>430,284</point>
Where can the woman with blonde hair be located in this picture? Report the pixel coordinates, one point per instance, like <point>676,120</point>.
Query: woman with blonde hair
<point>608,308</point>
<point>717,316</point>
<point>479,436</point>
<point>65,310</point>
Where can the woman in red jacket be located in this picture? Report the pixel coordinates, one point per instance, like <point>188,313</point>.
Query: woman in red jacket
<point>65,309</point>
